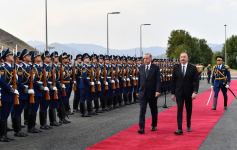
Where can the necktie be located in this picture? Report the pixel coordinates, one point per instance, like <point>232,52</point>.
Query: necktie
<point>147,70</point>
<point>183,71</point>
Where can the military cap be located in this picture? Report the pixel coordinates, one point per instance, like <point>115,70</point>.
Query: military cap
<point>6,52</point>
<point>54,54</point>
<point>24,53</point>
<point>79,56</point>
<point>86,55</point>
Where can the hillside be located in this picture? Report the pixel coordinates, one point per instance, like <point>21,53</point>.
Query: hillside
<point>8,40</point>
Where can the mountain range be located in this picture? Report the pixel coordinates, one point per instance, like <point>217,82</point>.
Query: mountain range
<point>75,48</point>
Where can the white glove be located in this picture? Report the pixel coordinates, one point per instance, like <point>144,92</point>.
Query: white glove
<point>31,91</point>
<point>98,82</point>
<point>128,79</point>
<point>16,92</point>
<point>112,81</point>
<point>194,95</point>
<point>136,78</point>
<point>117,80</point>
<point>26,86</point>
<point>46,88</point>
<point>75,82</point>
<point>92,83</point>
<point>124,79</point>
<point>173,97</point>
<point>39,82</point>
<point>55,88</point>
<point>63,86</point>
<point>227,86</point>
<point>49,82</point>
<point>106,83</point>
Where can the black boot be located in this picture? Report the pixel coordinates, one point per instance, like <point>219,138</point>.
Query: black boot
<point>3,130</point>
<point>52,118</point>
<point>83,110</point>
<point>31,124</point>
<point>43,121</point>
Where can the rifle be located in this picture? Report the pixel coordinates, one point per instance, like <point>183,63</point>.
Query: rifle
<point>47,96</point>
<point>53,77</point>
<point>31,85</point>
<point>127,75</point>
<point>74,76</point>
<point>117,77</point>
<point>62,80</point>
<point>123,74</point>
<point>112,78</point>
<point>133,76</point>
<point>105,78</point>
<point>14,82</point>
<point>98,79</point>
<point>92,80</point>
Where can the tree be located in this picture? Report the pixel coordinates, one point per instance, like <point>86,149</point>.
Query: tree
<point>231,49</point>
<point>197,49</point>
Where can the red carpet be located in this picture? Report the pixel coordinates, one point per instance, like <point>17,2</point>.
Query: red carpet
<point>203,120</point>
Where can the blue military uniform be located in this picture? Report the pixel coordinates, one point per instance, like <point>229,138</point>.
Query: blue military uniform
<point>7,95</point>
<point>220,78</point>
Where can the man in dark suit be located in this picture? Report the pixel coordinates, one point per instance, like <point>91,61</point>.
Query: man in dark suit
<point>185,86</point>
<point>148,91</point>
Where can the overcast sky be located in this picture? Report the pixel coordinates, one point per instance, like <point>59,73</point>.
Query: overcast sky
<point>84,21</point>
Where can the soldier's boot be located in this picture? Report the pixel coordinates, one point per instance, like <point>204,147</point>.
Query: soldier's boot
<point>214,103</point>
<point>16,123</point>
<point>52,118</point>
<point>225,102</point>
<point>83,110</point>
<point>134,97</point>
<point>26,116</point>
<point>3,131</point>
<point>97,106</point>
<point>130,98</point>
<point>89,108</point>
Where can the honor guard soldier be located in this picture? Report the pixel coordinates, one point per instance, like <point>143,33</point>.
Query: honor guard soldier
<point>114,81</point>
<point>62,89</point>
<point>38,88</point>
<point>69,65</point>
<point>86,87</point>
<point>108,93</point>
<point>124,80</point>
<point>101,82</point>
<point>23,77</point>
<point>221,79</point>
<point>97,81</point>
<point>76,82</point>
<point>9,92</point>
<point>119,79</point>
<point>45,101</point>
<point>54,92</point>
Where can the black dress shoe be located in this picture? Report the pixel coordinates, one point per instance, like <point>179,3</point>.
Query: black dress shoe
<point>34,130</point>
<point>178,132</point>
<point>9,129</point>
<point>23,126</point>
<point>99,111</point>
<point>4,139</point>
<point>141,131</point>
<point>86,115</point>
<point>76,110</point>
<point>213,108</point>
<point>153,128</point>
<point>20,134</point>
<point>92,113</point>
<point>65,121</point>
<point>189,129</point>
<point>55,123</point>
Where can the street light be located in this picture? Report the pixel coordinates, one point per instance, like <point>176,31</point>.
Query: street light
<point>46,25</point>
<point>141,52</point>
<point>225,46</point>
<point>110,13</point>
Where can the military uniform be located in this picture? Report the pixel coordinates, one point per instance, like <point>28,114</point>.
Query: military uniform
<point>221,79</point>
<point>7,95</point>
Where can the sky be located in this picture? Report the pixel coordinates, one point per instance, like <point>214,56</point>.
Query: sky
<point>84,21</point>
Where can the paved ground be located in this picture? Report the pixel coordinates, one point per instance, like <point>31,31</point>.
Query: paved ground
<point>83,132</point>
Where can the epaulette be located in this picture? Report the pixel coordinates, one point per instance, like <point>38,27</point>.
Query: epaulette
<point>227,67</point>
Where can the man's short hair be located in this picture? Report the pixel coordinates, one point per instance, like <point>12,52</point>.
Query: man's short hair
<point>148,54</point>
<point>219,57</point>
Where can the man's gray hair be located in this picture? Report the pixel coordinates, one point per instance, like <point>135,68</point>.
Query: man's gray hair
<point>148,54</point>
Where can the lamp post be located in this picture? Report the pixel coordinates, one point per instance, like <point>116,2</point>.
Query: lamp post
<point>46,25</point>
<point>141,52</point>
<point>225,46</point>
<point>110,13</point>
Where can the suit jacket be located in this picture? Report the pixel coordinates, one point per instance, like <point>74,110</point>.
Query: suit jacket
<point>184,85</point>
<point>148,86</point>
